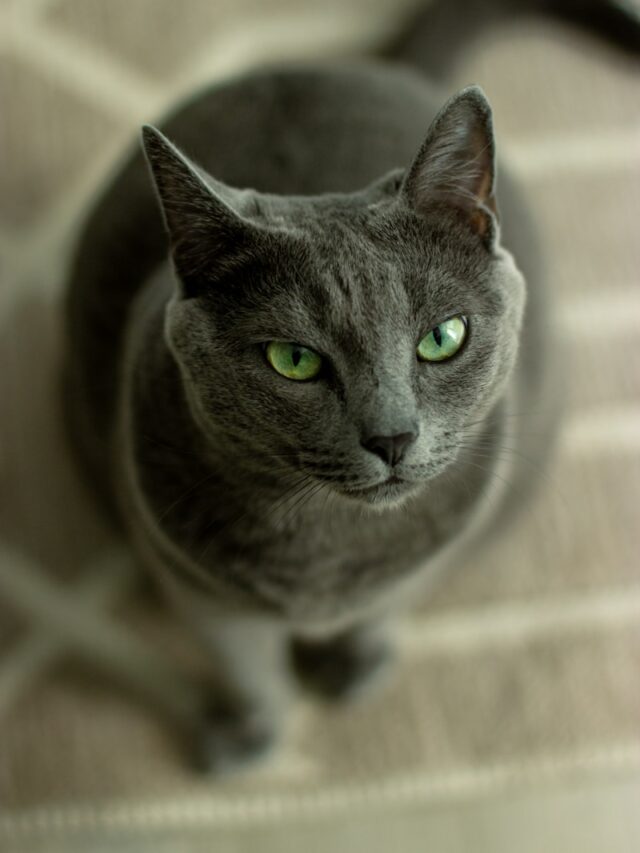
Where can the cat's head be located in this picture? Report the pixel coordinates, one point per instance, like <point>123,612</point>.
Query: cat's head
<point>350,338</point>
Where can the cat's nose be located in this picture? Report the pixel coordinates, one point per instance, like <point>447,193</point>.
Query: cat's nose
<point>390,448</point>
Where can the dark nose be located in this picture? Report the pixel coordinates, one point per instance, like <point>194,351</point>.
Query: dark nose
<point>390,448</point>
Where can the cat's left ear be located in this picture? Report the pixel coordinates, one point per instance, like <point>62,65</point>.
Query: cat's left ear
<point>455,167</point>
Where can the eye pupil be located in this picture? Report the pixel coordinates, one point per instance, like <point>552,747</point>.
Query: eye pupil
<point>437,336</point>
<point>296,355</point>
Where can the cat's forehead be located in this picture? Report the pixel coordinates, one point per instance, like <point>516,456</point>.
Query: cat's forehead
<point>381,253</point>
<point>347,283</point>
<point>369,228</point>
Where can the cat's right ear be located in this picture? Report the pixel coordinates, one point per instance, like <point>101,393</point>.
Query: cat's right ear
<point>455,167</point>
<point>206,230</point>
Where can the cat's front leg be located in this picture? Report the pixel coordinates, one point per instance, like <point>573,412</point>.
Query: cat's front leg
<point>250,685</point>
<point>247,708</point>
<point>346,665</point>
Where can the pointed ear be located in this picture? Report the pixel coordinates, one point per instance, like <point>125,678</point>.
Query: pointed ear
<point>205,229</point>
<point>456,164</point>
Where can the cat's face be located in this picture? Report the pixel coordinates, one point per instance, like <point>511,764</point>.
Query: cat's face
<point>403,309</point>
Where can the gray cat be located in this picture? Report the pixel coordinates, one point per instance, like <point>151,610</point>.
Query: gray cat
<point>309,413</point>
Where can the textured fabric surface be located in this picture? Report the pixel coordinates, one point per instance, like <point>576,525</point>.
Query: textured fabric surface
<point>522,671</point>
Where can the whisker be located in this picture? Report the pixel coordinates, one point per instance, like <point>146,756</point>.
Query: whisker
<point>292,503</point>
<point>314,489</point>
<point>231,523</point>
<point>184,495</point>
<point>503,450</point>
<point>518,489</point>
<point>152,439</point>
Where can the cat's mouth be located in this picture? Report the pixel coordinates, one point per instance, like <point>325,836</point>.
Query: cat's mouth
<point>387,491</point>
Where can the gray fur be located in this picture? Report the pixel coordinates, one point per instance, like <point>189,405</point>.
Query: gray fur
<point>322,210</point>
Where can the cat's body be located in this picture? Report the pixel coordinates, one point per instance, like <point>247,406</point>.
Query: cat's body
<point>381,118</point>
<point>261,503</point>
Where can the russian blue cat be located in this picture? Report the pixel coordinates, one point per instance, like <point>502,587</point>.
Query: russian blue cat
<point>302,417</point>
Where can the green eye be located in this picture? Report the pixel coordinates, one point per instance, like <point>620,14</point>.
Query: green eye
<point>293,360</point>
<point>444,340</point>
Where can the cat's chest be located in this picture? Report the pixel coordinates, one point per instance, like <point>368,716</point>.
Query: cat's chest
<point>324,565</point>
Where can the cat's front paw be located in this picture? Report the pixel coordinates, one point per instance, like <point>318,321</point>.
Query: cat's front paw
<point>342,669</point>
<point>230,739</point>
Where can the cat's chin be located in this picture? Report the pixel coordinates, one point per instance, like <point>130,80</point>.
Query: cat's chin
<point>390,493</point>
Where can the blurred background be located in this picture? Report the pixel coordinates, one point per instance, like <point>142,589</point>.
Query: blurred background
<point>513,721</point>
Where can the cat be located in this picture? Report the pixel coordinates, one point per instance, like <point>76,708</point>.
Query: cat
<point>300,420</point>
